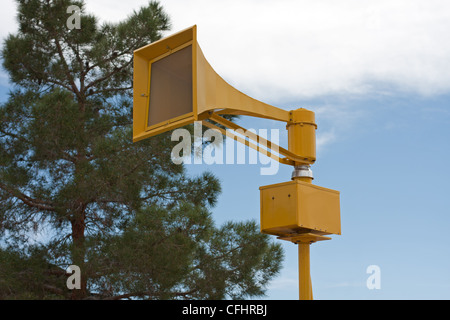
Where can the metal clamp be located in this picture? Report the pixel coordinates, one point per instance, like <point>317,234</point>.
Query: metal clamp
<point>302,171</point>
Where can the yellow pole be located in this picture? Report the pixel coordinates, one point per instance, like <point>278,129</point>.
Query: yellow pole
<point>304,273</point>
<point>302,141</point>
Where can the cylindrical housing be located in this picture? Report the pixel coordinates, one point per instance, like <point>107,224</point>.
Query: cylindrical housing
<point>302,134</point>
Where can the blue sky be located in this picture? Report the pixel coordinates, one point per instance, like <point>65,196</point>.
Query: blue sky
<point>377,75</point>
<point>390,163</point>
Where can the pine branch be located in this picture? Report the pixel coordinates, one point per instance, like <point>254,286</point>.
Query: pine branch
<point>108,75</point>
<point>35,203</point>
<point>109,90</point>
<point>164,194</point>
<point>50,80</point>
<point>108,59</point>
<point>128,295</point>
<point>67,70</point>
<point>15,136</point>
<point>149,294</point>
<point>53,289</point>
<point>185,294</point>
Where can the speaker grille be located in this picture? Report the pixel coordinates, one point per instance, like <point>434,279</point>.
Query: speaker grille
<point>170,87</point>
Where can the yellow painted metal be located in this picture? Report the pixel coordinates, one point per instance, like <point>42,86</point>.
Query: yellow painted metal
<point>305,237</point>
<point>246,142</point>
<point>142,60</point>
<point>304,179</point>
<point>296,207</point>
<point>209,91</point>
<point>290,157</point>
<point>211,97</point>
<point>215,94</point>
<point>296,211</point>
<point>302,134</point>
<point>304,273</point>
<point>304,241</point>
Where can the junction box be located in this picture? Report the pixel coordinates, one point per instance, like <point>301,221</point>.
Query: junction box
<point>298,207</point>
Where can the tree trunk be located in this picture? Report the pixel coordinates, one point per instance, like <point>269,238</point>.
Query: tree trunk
<point>79,252</point>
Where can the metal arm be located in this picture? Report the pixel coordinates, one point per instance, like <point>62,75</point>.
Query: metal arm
<point>301,137</point>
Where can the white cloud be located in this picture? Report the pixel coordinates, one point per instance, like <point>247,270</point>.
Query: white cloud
<point>336,121</point>
<point>290,49</point>
<point>8,22</point>
<point>324,139</point>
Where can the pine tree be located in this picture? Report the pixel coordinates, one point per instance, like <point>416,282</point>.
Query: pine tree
<point>133,221</point>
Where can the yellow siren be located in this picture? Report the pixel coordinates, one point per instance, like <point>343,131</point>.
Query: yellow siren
<point>174,85</point>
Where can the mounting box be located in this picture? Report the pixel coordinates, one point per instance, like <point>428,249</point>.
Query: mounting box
<point>298,207</point>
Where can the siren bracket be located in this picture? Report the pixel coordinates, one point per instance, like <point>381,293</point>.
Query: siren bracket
<point>262,145</point>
